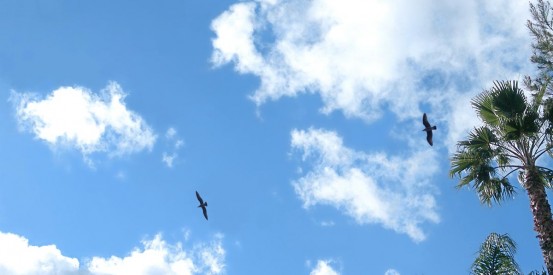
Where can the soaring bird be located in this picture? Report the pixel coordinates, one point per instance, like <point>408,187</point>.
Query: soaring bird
<point>428,129</point>
<point>203,204</point>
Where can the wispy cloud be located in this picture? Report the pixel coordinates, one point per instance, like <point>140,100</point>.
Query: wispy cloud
<point>363,56</point>
<point>175,144</point>
<point>323,267</point>
<point>168,159</point>
<point>393,191</point>
<point>171,133</point>
<point>391,271</point>
<point>90,122</point>
<point>155,256</point>
<point>327,223</point>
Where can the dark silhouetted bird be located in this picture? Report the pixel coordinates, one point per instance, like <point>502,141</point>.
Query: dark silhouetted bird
<point>203,204</point>
<point>428,129</point>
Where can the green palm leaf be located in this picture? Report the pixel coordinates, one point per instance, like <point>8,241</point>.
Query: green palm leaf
<point>496,256</point>
<point>508,99</point>
<point>483,104</point>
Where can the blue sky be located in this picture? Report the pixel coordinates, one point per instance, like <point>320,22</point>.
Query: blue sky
<point>298,121</point>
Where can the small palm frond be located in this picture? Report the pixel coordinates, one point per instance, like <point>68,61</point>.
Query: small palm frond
<point>516,127</point>
<point>474,166</point>
<point>502,157</point>
<point>465,161</point>
<point>530,122</point>
<point>508,99</point>
<point>472,154</point>
<point>546,176</point>
<point>479,138</point>
<point>496,256</point>
<point>494,190</point>
<point>483,104</point>
<point>502,105</point>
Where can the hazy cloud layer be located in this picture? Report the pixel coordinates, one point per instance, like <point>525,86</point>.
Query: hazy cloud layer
<point>90,122</point>
<point>155,256</point>
<point>363,56</point>
<point>372,188</point>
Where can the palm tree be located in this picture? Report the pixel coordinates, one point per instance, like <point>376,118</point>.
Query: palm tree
<point>515,134</point>
<point>496,256</point>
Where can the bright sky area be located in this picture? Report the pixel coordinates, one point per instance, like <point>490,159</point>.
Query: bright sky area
<point>298,121</point>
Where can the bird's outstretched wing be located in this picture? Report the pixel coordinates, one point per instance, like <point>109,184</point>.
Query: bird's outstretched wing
<point>429,137</point>
<point>426,124</point>
<point>199,198</point>
<point>204,209</point>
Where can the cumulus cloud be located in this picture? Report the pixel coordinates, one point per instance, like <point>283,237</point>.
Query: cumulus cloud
<point>175,144</point>
<point>323,268</point>
<point>391,271</point>
<point>89,122</point>
<point>363,56</point>
<point>372,188</point>
<point>156,256</point>
<point>159,257</point>
<point>17,256</point>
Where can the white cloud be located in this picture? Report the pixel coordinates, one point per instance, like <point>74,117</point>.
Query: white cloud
<point>77,117</point>
<point>155,257</point>
<point>17,256</point>
<point>121,175</point>
<point>391,272</point>
<point>158,257</point>
<point>212,256</point>
<point>171,132</point>
<point>176,143</point>
<point>374,188</point>
<point>323,268</point>
<point>362,56</point>
<point>168,159</point>
<point>179,143</point>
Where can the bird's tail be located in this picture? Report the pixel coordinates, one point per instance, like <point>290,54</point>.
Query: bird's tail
<point>434,127</point>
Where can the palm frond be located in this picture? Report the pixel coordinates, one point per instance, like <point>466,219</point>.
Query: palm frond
<point>508,99</point>
<point>546,176</point>
<point>465,161</point>
<point>474,166</point>
<point>496,256</point>
<point>494,190</point>
<point>530,122</point>
<point>518,126</point>
<point>503,159</point>
<point>479,138</point>
<point>472,153</point>
<point>483,104</point>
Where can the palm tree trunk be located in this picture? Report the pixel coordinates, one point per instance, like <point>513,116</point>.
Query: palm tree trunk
<point>543,223</point>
